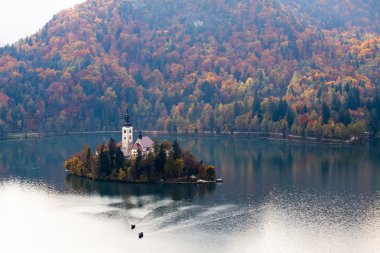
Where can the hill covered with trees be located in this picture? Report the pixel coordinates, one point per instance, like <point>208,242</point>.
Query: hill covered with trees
<point>308,68</point>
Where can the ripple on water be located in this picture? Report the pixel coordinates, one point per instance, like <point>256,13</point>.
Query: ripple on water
<point>299,221</point>
<point>286,221</point>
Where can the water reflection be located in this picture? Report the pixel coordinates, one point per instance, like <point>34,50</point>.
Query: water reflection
<point>251,166</point>
<point>276,197</point>
<point>259,165</point>
<point>41,159</point>
<point>302,221</point>
<point>291,221</point>
<point>185,192</point>
<point>49,221</point>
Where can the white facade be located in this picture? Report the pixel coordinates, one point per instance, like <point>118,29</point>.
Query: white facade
<point>145,144</point>
<point>127,140</point>
<point>127,136</point>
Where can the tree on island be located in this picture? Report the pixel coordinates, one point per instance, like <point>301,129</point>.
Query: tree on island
<point>168,162</point>
<point>104,161</point>
<point>119,158</point>
<point>112,151</point>
<point>176,150</point>
<point>160,159</point>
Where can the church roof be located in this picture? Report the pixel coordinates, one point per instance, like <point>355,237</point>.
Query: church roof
<point>146,142</point>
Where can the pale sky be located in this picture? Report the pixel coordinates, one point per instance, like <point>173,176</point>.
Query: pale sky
<point>21,18</point>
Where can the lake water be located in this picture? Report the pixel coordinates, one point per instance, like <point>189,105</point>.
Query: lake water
<point>276,197</point>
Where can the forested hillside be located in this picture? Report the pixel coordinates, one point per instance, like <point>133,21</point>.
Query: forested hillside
<point>303,67</point>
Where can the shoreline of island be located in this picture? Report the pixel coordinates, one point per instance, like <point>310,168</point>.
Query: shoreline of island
<point>159,163</point>
<point>168,182</point>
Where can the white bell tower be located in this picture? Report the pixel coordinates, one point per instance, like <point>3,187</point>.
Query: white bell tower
<point>127,136</point>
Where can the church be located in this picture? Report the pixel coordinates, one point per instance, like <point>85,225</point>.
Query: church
<point>130,149</point>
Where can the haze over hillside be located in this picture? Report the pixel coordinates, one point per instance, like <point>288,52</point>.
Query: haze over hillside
<point>300,67</point>
<point>20,18</point>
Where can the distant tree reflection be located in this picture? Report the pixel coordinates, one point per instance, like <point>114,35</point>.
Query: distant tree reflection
<point>177,192</point>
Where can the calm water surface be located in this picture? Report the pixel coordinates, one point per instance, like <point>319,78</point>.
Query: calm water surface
<point>276,197</point>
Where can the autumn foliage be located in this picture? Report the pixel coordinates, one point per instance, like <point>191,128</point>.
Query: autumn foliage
<point>309,68</point>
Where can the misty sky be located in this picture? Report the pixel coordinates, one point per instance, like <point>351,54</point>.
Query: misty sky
<point>20,18</point>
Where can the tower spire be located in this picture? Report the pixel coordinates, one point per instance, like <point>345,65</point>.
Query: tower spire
<point>127,121</point>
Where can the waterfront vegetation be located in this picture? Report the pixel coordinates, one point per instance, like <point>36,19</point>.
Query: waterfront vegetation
<point>168,163</point>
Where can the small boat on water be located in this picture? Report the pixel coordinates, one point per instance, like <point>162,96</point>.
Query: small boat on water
<point>133,226</point>
<point>200,181</point>
<point>219,180</point>
<point>141,235</point>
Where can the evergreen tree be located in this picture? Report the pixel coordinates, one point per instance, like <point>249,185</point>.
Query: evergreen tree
<point>290,116</point>
<point>138,159</point>
<point>344,117</point>
<point>156,147</point>
<point>373,121</point>
<point>2,131</point>
<point>212,122</point>
<point>282,108</point>
<point>176,150</point>
<point>304,110</point>
<point>353,100</point>
<point>278,109</point>
<point>104,162</point>
<point>161,159</point>
<point>256,107</point>
<point>347,88</point>
<point>119,158</point>
<point>3,113</point>
<point>112,147</point>
<point>86,156</point>
<point>112,151</point>
<point>325,113</point>
<point>336,104</point>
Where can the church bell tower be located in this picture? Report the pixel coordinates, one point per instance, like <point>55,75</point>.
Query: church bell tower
<point>127,136</point>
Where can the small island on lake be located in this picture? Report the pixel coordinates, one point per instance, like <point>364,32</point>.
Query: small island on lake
<point>144,161</point>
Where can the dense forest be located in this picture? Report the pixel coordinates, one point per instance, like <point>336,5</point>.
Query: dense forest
<point>304,67</point>
<point>168,163</point>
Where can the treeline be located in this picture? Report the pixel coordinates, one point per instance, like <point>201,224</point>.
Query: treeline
<point>193,66</point>
<point>166,163</point>
<point>324,120</point>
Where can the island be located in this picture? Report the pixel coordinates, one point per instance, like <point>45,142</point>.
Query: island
<point>144,161</point>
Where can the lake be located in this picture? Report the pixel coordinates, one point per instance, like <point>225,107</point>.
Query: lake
<point>276,197</point>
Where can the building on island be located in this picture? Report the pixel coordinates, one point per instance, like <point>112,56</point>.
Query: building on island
<point>130,149</point>
<point>127,136</point>
<point>144,144</point>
